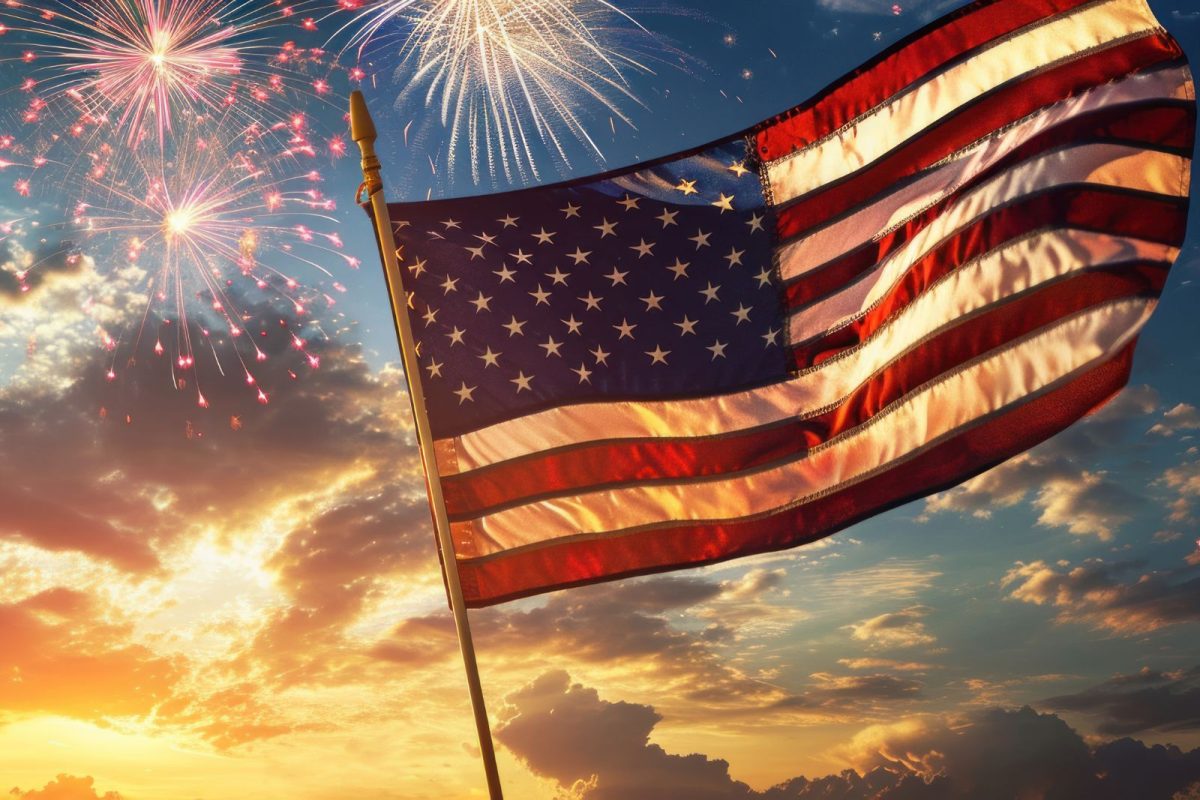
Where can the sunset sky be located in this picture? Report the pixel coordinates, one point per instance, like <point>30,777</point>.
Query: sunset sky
<point>244,600</point>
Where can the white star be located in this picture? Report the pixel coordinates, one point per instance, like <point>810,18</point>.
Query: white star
<point>616,277</point>
<point>667,217</point>
<point>505,273</point>
<point>710,293</point>
<point>435,368</point>
<point>680,268</point>
<point>701,239</point>
<point>558,276</point>
<point>580,255</point>
<point>449,285</point>
<point>652,301</point>
<point>755,222</point>
<point>658,355</point>
<point>481,303</point>
<point>522,257</point>
<point>573,325</point>
<point>430,316</point>
<point>606,228</point>
<point>417,267</point>
<point>522,381</point>
<point>686,326</point>
<point>514,327</point>
<point>464,393</point>
<point>687,187</point>
<point>738,168</point>
<point>625,328</point>
<point>763,277</point>
<point>451,223</point>
<point>571,210</point>
<point>643,248</point>
<point>551,347</point>
<point>771,337</point>
<point>600,355</point>
<point>717,349</point>
<point>725,203</point>
<point>489,358</point>
<point>735,257</point>
<point>541,296</point>
<point>509,221</point>
<point>485,238</point>
<point>585,374</point>
<point>591,301</point>
<point>630,203</point>
<point>741,315</point>
<point>476,252</point>
<point>543,237</point>
<point>456,336</point>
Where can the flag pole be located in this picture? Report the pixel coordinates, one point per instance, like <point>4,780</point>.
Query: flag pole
<point>362,130</point>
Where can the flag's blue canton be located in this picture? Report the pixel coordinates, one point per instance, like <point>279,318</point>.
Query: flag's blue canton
<point>655,283</point>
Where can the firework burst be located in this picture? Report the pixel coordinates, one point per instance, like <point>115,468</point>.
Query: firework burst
<point>144,68</point>
<point>506,76</point>
<point>216,235</point>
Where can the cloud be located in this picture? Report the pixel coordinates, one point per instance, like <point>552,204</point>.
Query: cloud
<point>885,663</point>
<point>1053,477</point>
<point>600,750</point>
<point>1144,701</point>
<point>66,787</point>
<point>1185,481</point>
<point>903,628</point>
<point>1094,594</point>
<point>1183,416</point>
<point>59,657</point>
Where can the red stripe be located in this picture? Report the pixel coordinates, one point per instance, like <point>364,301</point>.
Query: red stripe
<point>972,124</point>
<point>1093,208</point>
<point>556,566</point>
<point>924,52</point>
<point>601,464</point>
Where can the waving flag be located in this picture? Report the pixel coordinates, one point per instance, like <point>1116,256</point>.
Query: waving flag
<point>937,263</point>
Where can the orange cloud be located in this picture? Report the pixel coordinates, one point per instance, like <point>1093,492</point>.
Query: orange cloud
<point>59,657</point>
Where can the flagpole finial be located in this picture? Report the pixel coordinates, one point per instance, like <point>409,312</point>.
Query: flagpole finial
<point>362,131</point>
<point>362,127</point>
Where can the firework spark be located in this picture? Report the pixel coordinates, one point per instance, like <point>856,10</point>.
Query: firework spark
<point>506,76</point>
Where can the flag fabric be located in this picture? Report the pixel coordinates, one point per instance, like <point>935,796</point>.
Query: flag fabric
<point>938,262</point>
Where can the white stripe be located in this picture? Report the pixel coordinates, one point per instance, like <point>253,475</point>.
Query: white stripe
<point>907,114</point>
<point>1095,164</point>
<point>938,410</point>
<point>1002,273</point>
<point>823,245</point>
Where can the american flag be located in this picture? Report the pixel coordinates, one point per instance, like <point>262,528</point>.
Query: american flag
<point>940,261</point>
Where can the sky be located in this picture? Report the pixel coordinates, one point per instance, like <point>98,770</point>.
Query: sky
<point>206,595</point>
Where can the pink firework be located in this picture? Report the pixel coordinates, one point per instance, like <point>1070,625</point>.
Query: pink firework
<point>144,67</point>
<point>219,236</point>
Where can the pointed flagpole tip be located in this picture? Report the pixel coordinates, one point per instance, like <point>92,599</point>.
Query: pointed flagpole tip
<point>362,128</point>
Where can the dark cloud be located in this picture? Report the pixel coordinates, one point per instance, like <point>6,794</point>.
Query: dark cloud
<point>1144,701</point>
<point>566,732</point>
<point>1099,594</point>
<point>601,750</point>
<point>121,469</point>
<point>66,787</point>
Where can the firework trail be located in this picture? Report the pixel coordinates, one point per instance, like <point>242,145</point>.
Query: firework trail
<point>506,76</point>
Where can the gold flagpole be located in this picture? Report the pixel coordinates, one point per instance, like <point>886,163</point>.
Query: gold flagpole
<point>362,130</point>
